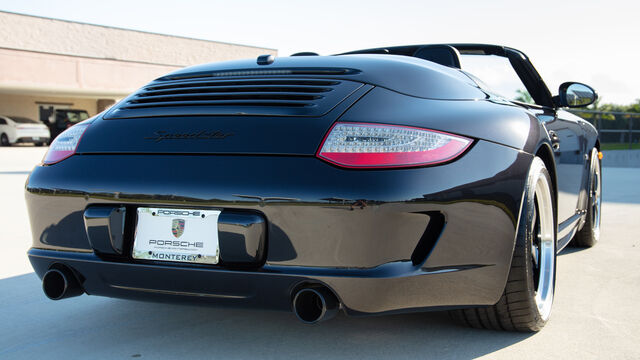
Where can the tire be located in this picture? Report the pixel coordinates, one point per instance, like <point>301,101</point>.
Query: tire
<point>39,144</point>
<point>590,232</point>
<point>525,304</point>
<point>4,140</point>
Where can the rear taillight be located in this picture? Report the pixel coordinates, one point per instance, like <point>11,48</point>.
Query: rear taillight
<point>361,145</point>
<point>65,144</point>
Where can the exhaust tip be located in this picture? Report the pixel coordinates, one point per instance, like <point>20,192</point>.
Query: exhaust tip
<point>315,304</point>
<point>60,283</point>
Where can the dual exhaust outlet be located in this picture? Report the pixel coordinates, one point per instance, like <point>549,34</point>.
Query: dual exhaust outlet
<point>60,283</point>
<point>310,304</point>
<point>314,304</point>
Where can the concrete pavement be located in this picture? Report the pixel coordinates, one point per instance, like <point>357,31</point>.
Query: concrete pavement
<point>595,314</point>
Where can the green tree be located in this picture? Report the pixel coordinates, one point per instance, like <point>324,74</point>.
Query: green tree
<point>608,121</point>
<point>524,96</point>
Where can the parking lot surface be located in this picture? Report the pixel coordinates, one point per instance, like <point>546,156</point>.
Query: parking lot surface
<point>595,315</point>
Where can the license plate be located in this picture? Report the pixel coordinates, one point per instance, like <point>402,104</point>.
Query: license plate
<point>181,235</point>
<point>36,138</point>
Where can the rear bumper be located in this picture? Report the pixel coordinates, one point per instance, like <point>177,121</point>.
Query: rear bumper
<point>357,232</point>
<point>32,139</point>
<point>385,289</point>
<point>32,136</point>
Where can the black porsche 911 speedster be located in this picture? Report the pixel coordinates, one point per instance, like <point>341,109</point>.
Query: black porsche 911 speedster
<point>377,181</point>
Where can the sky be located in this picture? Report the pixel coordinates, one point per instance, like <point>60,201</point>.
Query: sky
<point>595,42</point>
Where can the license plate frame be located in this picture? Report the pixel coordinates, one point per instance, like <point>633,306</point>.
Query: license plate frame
<point>177,235</point>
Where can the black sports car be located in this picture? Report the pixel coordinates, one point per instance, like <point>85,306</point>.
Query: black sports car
<point>378,181</point>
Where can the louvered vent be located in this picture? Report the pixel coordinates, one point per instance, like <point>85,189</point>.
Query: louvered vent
<point>262,96</point>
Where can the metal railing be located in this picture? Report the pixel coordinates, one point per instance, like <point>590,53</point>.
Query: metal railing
<point>618,130</point>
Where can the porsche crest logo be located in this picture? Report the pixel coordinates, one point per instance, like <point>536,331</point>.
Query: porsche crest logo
<point>177,227</point>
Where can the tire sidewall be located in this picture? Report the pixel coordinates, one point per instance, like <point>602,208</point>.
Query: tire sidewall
<point>596,163</point>
<point>586,236</point>
<point>526,233</point>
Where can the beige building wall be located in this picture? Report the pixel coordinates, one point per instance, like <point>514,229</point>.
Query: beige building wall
<point>64,75</point>
<point>81,66</point>
<point>71,38</point>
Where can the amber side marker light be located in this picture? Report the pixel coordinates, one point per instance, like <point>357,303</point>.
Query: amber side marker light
<point>600,156</point>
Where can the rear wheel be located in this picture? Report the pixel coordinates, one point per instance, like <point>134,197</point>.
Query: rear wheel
<point>4,140</point>
<point>590,232</point>
<point>39,144</point>
<point>525,304</point>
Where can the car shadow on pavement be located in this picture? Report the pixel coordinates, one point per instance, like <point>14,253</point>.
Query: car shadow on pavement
<point>571,250</point>
<point>111,328</point>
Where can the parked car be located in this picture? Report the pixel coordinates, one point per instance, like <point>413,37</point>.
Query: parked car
<point>379,181</point>
<point>17,129</point>
<point>64,118</point>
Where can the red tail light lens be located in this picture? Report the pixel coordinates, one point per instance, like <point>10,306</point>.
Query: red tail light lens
<point>65,144</point>
<point>361,145</point>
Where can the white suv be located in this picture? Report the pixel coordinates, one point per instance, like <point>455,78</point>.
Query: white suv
<point>16,129</point>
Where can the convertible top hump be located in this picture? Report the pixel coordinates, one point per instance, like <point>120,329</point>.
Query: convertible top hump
<point>412,76</point>
<point>291,86</point>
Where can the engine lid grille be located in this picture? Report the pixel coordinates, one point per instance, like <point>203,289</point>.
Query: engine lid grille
<point>249,96</point>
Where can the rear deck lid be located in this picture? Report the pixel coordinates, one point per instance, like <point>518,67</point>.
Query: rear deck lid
<point>269,115</point>
<point>243,107</point>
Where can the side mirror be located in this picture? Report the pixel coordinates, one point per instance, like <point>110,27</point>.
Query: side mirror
<point>575,95</point>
